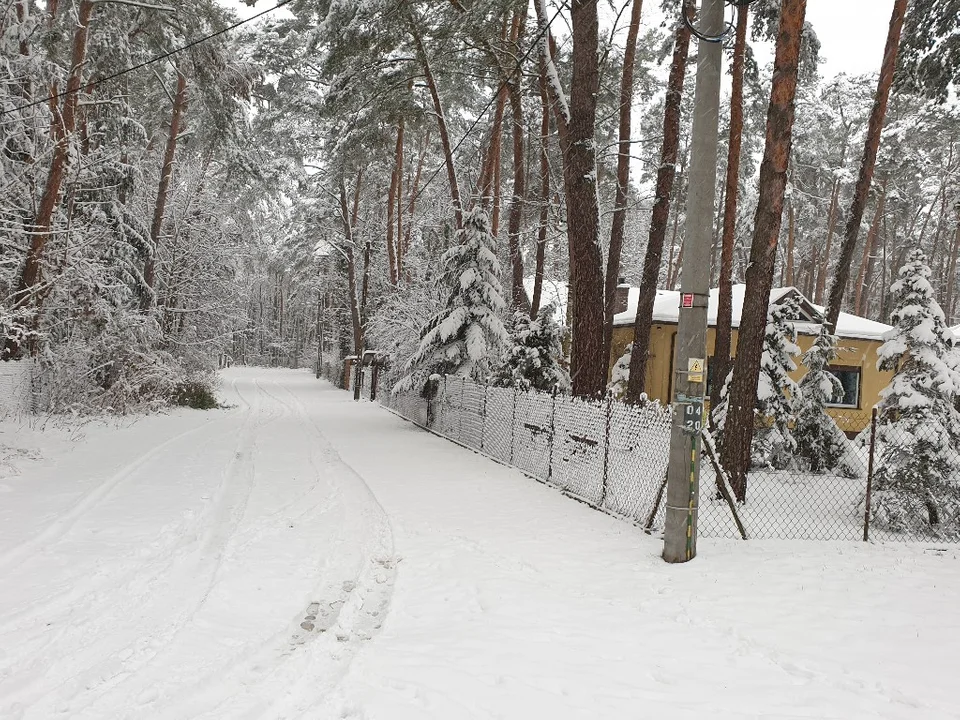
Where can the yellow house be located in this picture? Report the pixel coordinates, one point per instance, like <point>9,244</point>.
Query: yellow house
<point>855,366</point>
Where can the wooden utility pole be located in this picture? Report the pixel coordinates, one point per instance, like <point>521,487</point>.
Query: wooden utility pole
<point>683,472</point>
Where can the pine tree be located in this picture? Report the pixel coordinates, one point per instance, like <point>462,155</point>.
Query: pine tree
<point>467,337</point>
<point>818,438</point>
<point>917,486</point>
<point>533,361</point>
<point>776,391</point>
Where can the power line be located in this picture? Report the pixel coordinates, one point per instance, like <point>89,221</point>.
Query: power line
<point>146,63</point>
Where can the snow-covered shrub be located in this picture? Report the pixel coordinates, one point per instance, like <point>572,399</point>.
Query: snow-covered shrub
<point>917,480</point>
<point>620,375</point>
<point>467,336</point>
<point>819,441</point>
<point>121,367</point>
<point>773,441</point>
<point>533,359</point>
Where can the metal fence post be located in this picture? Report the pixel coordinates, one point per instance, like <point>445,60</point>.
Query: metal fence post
<point>867,499</point>
<point>513,423</point>
<point>553,432</point>
<point>606,450</point>
<point>483,415</point>
<point>463,390</point>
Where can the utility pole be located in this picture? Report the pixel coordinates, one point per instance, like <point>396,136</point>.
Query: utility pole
<point>690,372</point>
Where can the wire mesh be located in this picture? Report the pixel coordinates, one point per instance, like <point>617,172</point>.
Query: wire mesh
<point>614,456</point>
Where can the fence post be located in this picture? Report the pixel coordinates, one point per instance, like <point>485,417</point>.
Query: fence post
<point>374,378</point>
<point>463,390</point>
<point>553,432</point>
<point>867,499</point>
<point>357,381</point>
<point>606,449</point>
<point>513,422</point>
<point>483,416</point>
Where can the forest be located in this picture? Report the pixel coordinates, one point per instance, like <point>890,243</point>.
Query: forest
<point>182,188</point>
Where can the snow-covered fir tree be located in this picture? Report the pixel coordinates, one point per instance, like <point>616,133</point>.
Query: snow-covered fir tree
<point>467,336</point>
<point>817,436</point>
<point>620,375</point>
<point>917,481</point>
<point>533,360</point>
<point>776,392</point>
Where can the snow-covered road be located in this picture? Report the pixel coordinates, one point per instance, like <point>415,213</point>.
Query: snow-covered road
<point>303,556</point>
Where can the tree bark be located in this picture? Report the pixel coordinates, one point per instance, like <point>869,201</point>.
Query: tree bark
<point>872,146</point>
<point>148,297</point>
<point>544,192</point>
<point>441,127</point>
<point>722,344</point>
<point>518,294</point>
<point>866,262</point>
<point>951,274</point>
<point>394,205</point>
<point>348,220</point>
<point>576,123</point>
<point>738,429</point>
<point>63,125</point>
<point>653,257</point>
<point>623,173</point>
<point>823,268</point>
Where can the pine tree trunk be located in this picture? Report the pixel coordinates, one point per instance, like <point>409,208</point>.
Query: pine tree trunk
<point>349,220</point>
<point>577,129</point>
<point>544,193</point>
<point>393,204</point>
<point>653,257</point>
<point>412,205</point>
<point>623,173</point>
<point>722,345</point>
<point>791,243</point>
<point>824,265</point>
<point>866,261</point>
<point>871,148</point>
<point>62,128</point>
<point>517,292</point>
<point>148,297</point>
<point>738,429</point>
<point>951,274</point>
<point>441,127</point>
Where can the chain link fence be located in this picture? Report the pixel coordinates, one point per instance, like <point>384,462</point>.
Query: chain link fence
<point>597,451</point>
<point>614,456</point>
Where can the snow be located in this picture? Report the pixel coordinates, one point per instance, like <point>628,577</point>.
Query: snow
<point>667,303</point>
<point>173,568</point>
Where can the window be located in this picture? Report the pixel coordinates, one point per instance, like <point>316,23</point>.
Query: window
<point>850,379</point>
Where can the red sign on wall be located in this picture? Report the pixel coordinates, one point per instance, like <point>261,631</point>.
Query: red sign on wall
<point>686,300</point>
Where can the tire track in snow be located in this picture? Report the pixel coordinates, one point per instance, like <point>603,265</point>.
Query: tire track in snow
<point>88,583</point>
<point>228,506</point>
<point>68,520</point>
<point>138,676</point>
<point>299,669</point>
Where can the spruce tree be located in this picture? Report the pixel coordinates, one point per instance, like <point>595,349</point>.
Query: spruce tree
<point>467,336</point>
<point>916,482</point>
<point>533,360</point>
<point>776,391</point>
<point>818,438</point>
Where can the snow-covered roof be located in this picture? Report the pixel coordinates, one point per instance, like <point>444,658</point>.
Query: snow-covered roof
<point>666,309</point>
<point>956,332</point>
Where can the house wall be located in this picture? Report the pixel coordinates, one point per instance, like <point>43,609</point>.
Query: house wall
<point>853,353</point>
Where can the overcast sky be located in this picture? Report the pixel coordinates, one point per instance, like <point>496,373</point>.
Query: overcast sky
<point>852,32</point>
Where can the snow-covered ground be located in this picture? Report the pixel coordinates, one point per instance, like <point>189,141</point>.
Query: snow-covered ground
<point>303,556</point>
